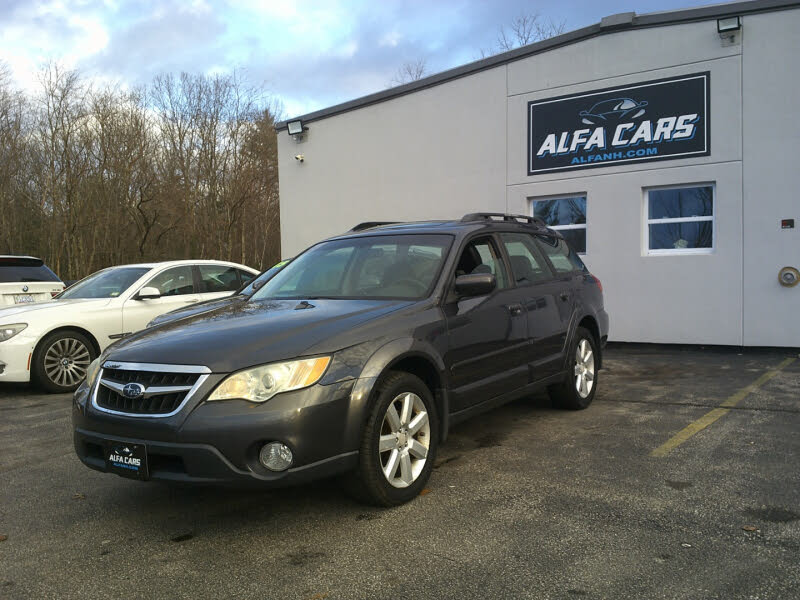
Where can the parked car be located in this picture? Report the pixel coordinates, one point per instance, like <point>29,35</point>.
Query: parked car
<point>53,343</point>
<point>26,280</point>
<point>355,359</point>
<point>240,295</point>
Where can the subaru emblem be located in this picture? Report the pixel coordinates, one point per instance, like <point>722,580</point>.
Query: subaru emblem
<point>133,390</point>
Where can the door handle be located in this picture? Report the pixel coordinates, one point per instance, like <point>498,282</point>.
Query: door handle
<point>515,309</point>
<point>190,301</point>
<point>564,296</point>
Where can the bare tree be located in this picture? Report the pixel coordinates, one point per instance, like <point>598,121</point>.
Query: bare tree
<point>410,71</point>
<point>185,167</point>
<point>523,30</point>
<point>527,29</point>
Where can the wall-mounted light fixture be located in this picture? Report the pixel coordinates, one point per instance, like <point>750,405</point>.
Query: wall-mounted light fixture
<point>729,24</point>
<point>296,129</point>
<point>727,28</point>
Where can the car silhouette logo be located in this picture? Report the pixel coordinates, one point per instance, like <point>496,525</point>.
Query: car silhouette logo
<point>613,110</point>
<point>24,288</point>
<point>123,450</point>
<point>133,391</point>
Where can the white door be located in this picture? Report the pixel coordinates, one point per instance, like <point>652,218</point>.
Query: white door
<point>176,285</point>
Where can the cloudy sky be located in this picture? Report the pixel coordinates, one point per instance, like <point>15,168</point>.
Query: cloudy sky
<point>308,54</point>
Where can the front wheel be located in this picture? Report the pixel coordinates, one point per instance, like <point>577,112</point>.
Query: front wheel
<point>399,443</point>
<point>578,389</point>
<point>60,361</point>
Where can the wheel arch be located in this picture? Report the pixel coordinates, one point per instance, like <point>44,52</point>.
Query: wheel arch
<point>64,328</point>
<point>406,355</point>
<point>589,323</point>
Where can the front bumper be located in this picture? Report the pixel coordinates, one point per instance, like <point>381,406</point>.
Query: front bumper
<point>15,356</point>
<point>219,442</point>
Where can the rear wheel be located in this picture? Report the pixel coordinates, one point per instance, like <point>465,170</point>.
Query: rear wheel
<point>398,444</point>
<point>578,389</point>
<point>60,361</point>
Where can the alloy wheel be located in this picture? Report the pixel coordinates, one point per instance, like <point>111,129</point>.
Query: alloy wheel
<point>66,361</point>
<point>405,440</point>
<point>584,368</point>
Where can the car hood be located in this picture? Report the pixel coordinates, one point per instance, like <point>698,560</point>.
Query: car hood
<point>244,334</point>
<point>21,310</point>
<point>195,309</point>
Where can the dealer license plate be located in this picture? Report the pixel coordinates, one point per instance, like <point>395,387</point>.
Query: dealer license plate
<point>23,299</point>
<point>128,460</point>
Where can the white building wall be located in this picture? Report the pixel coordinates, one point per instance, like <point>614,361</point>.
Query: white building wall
<point>771,176</point>
<point>433,154</point>
<point>460,147</point>
<point>665,299</point>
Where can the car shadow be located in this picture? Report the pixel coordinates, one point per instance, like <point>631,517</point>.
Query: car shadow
<point>185,511</point>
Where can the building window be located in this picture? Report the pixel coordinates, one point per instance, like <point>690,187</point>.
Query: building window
<point>680,220</point>
<point>567,215</point>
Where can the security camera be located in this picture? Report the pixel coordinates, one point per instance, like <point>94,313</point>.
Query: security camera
<point>300,157</point>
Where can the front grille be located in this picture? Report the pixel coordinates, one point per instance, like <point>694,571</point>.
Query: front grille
<point>154,405</point>
<point>164,390</point>
<point>150,378</point>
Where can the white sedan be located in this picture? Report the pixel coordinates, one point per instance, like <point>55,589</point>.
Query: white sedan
<point>52,343</point>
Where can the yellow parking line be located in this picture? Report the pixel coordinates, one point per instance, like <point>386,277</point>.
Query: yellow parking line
<point>711,416</point>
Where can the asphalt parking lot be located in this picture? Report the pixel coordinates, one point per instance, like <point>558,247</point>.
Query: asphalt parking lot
<point>652,492</point>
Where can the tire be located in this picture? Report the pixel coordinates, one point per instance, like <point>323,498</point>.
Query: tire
<point>579,387</point>
<point>403,447</point>
<point>48,369</point>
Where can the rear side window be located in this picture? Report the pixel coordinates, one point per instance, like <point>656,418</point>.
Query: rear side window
<point>527,264</point>
<point>561,256</point>
<point>15,270</point>
<point>218,278</point>
<point>176,281</point>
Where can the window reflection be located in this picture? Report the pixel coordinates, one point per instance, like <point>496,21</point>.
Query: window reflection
<point>568,216</point>
<point>681,235</point>
<point>681,202</point>
<point>680,219</point>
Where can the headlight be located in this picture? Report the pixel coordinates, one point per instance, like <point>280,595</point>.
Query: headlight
<point>259,384</point>
<point>93,369</point>
<point>9,331</point>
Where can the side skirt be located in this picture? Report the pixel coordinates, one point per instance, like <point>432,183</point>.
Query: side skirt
<point>477,409</point>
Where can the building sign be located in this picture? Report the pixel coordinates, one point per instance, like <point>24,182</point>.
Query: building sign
<point>653,120</point>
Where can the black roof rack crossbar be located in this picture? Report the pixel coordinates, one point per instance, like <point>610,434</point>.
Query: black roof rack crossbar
<point>502,216</point>
<point>371,224</point>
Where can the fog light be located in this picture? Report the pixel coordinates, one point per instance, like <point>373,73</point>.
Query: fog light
<point>275,456</point>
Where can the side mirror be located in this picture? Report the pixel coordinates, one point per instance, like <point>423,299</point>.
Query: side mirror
<point>476,284</point>
<point>148,293</point>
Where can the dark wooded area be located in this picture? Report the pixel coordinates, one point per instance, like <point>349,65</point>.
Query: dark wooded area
<point>185,167</point>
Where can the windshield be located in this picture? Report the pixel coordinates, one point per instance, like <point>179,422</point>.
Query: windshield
<point>108,283</point>
<point>386,266</point>
<point>248,288</point>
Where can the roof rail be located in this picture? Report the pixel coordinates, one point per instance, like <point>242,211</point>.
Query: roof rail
<point>503,217</point>
<point>371,224</point>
